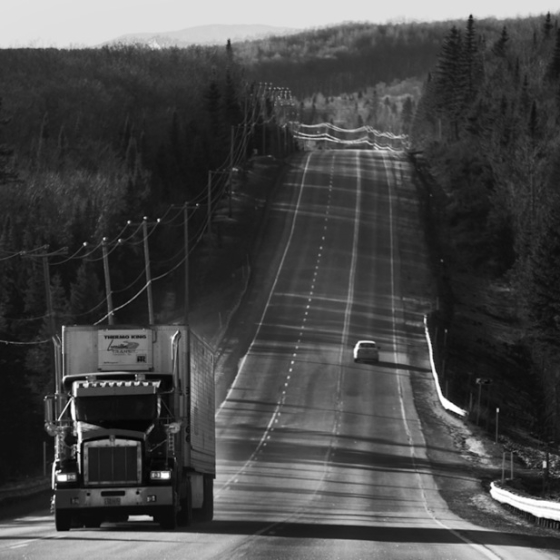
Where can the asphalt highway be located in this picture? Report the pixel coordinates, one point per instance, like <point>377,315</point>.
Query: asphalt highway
<point>318,457</point>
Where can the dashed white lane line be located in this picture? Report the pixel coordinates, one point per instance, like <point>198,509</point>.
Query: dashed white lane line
<point>277,413</point>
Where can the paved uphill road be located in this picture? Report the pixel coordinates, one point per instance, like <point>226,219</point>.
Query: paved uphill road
<point>318,457</point>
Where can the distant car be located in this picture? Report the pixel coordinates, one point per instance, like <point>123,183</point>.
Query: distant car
<point>366,351</point>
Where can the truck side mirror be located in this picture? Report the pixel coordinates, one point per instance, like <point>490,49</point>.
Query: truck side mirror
<point>49,409</point>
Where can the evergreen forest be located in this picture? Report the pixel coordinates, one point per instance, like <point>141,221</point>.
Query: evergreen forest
<point>94,140</point>
<point>101,149</point>
<point>486,132</point>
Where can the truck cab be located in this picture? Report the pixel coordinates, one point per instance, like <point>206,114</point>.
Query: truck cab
<point>122,425</point>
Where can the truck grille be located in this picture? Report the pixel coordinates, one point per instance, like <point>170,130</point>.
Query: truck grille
<point>112,463</point>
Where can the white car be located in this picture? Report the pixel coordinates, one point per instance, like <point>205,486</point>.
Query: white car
<point>366,351</point>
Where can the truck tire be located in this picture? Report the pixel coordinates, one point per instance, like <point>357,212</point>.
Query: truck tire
<point>93,523</point>
<point>168,518</point>
<point>208,504</point>
<point>185,515</point>
<point>62,520</point>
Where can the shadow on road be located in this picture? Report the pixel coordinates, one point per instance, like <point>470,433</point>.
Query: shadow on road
<point>380,533</point>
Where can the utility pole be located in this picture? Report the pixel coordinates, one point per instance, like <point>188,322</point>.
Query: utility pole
<point>50,312</point>
<point>209,208</point>
<point>50,309</point>
<point>264,116</point>
<point>109,295</point>
<point>186,235</point>
<point>186,312</point>
<point>151,317</point>
<point>148,271</point>
<point>187,306</point>
<point>147,266</point>
<point>230,179</point>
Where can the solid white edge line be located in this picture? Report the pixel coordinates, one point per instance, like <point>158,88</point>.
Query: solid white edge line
<point>275,413</point>
<point>273,285</point>
<point>479,547</point>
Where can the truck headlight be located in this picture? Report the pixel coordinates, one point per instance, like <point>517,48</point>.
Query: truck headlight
<point>160,475</point>
<point>63,477</point>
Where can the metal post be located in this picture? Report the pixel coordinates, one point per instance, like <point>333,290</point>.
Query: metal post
<point>58,366</point>
<point>497,422</point>
<point>478,406</point>
<point>209,208</point>
<point>107,282</point>
<point>186,236</point>
<point>444,353</point>
<point>50,311</point>
<point>148,272</point>
<point>47,276</point>
<point>186,305</point>
<point>231,158</point>
<point>264,116</point>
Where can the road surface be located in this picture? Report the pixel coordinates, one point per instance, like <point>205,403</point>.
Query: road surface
<point>318,457</point>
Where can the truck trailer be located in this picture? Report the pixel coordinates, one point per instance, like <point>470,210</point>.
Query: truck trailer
<point>133,423</point>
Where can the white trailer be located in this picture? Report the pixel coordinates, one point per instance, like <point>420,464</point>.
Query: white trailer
<point>133,420</point>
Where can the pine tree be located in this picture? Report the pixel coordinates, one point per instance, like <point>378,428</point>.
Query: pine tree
<point>212,100</point>
<point>424,124</point>
<point>86,295</point>
<point>500,46</point>
<point>7,172</point>
<point>524,96</point>
<point>34,297</point>
<point>177,148</point>
<point>61,150</point>
<point>553,69</point>
<point>407,113</point>
<point>124,138</point>
<point>542,290</point>
<point>547,26</point>
<point>39,359</point>
<point>42,146</point>
<point>471,62</point>
<point>229,52</point>
<point>449,83</point>
<point>131,157</point>
<point>533,122</point>
<point>230,103</point>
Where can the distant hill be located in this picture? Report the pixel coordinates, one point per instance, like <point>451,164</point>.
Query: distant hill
<point>203,35</point>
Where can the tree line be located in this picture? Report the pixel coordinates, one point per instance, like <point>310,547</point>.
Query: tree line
<point>93,138</point>
<point>487,123</point>
<point>343,58</point>
<point>91,141</point>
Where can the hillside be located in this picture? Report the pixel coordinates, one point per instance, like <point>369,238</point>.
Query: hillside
<point>93,140</point>
<point>348,57</point>
<point>201,35</point>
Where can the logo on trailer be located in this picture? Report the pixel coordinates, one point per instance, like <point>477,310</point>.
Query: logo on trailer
<point>124,346</point>
<point>125,349</point>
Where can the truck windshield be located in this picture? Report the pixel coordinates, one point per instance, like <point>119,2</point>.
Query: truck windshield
<point>105,411</point>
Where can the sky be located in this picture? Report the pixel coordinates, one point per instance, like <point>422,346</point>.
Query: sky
<point>79,23</point>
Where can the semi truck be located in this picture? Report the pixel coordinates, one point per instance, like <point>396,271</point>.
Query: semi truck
<point>133,423</point>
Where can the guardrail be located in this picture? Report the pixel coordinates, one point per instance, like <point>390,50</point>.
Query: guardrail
<point>446,403</point>
<point>544,512</point>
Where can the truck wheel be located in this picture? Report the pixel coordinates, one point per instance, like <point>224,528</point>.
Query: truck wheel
<point>62,520</point>
<point>168,519</point>
<point>185,515</point>
<point>208,504</point>
<point>93,523</point>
